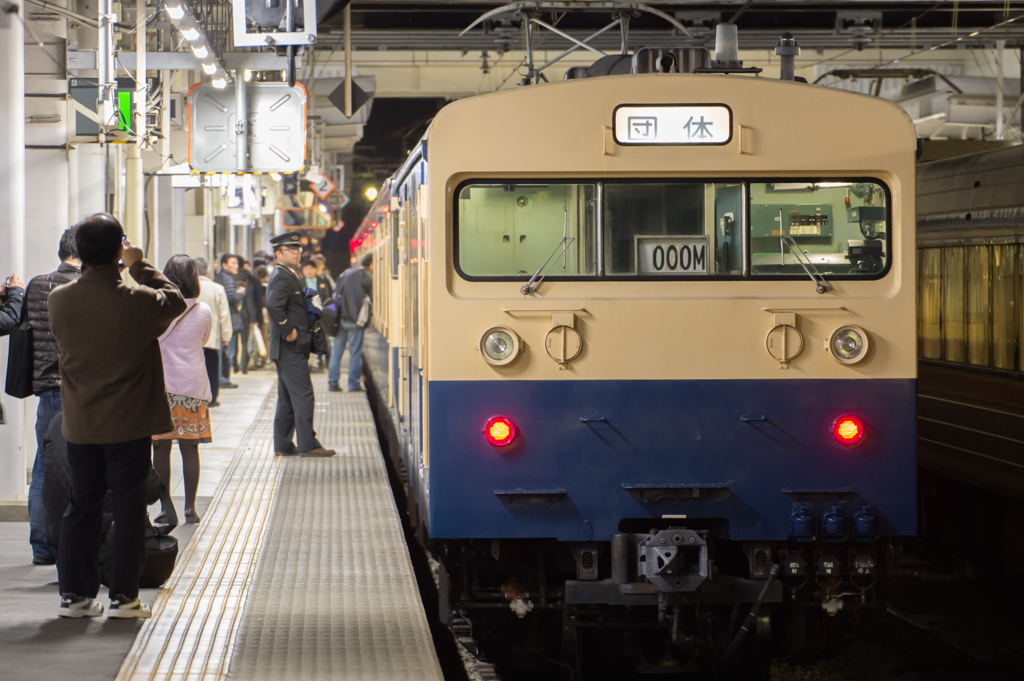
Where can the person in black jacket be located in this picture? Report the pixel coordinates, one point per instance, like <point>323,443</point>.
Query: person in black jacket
<point>12,296</point>
<point>291,338</point>
<point>247,311</point>
<point>226,278</point>
<point>354,286</point>
<point>46,383</point>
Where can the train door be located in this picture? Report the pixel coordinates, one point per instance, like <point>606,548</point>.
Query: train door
<point>404,330</point>
<point>415,339</point>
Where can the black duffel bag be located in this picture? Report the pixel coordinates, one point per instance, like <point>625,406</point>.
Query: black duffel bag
<point>160,549</point>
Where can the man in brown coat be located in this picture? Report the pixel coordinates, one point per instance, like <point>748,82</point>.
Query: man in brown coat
<point>114,399</point>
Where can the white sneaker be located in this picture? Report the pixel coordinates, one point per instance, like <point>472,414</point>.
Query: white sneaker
<point>124,609</point>
<point>72,606</point>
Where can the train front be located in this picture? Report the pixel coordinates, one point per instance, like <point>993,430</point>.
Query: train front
<point>670,357</point>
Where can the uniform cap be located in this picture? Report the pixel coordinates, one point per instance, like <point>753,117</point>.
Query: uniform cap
<point>288,239</point>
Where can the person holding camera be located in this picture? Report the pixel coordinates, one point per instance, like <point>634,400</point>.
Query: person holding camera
<point>12,298</point>
<point>115,400</point>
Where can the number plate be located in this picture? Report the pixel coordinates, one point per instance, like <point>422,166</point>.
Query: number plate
<point>670,124</point>
<point>672,255</point>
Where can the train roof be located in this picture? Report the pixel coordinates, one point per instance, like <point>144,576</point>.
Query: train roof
<point>975,196</point>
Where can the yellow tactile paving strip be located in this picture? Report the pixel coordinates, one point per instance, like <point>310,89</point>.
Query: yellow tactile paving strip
<point>299,569</point>
<point>195,617</point>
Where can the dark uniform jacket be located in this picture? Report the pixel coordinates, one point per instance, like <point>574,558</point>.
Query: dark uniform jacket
<point>286,307</point>
<point>111,371</point>
<point>45,375</point>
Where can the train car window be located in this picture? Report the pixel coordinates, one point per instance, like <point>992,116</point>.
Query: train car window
<point>1004,302</point>
<point>979,332</point>
<point>930,303</point>
<point>673,229</point>
<point>953,266</point>
<point>513,229</point>
<point>840,227</point>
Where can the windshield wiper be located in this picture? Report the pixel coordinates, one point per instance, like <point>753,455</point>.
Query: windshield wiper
<point>819,281</point>
<point>534,282</point>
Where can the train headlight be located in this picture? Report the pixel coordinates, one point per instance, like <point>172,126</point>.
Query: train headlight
<point>848,344</point>
<point>500,345</point>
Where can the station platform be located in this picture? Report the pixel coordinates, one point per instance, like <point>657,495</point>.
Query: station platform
<point>298,569</point>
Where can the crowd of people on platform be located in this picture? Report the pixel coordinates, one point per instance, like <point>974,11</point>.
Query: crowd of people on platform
<point>133,366</point>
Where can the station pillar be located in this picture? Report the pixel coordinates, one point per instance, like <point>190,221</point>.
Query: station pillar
<point>13,488</point>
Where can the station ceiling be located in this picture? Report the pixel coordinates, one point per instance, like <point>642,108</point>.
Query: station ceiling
<point>429,25</point>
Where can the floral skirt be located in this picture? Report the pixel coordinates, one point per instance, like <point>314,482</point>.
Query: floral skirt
<point>191,420</point>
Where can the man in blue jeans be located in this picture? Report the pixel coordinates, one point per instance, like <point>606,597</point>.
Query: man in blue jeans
<point>353,286</point>
<point>46,383</point>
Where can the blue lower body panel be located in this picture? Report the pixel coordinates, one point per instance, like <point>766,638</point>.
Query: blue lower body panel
<point>655,449</point>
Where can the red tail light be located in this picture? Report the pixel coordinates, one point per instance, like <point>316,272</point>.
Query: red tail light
<point>499,431</point>
<point>848,430</point>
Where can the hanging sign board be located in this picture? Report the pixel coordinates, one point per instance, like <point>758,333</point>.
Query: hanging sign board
<point>277,128</point>
<point>690,124</point>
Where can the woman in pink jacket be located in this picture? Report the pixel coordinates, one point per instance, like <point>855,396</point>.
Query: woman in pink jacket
<point>188,386</point>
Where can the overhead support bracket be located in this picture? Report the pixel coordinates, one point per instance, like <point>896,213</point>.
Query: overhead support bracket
<point>243,38</point>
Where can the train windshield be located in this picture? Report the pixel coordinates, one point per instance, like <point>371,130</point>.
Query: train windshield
<point>672,229</point>
<point>511,230</point>
<point>831,227</point>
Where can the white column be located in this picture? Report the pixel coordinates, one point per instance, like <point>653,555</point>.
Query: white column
<point>12,233</point>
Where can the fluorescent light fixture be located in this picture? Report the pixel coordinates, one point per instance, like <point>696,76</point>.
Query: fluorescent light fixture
<point>248,75</point>
<point>219,83</point>
<point>190,33</point>
<point>210,69</point>
<point>175,12</point>
<point>200,51</point>
<point>276,177</point>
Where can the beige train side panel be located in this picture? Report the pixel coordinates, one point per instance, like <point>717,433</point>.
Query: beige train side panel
<point>677,329</point>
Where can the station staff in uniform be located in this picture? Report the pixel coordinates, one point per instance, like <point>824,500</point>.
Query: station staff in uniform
<point>290,342</point>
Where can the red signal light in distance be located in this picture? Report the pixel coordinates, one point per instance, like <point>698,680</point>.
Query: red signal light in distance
<point>848,430</point>
<point>499,431</point>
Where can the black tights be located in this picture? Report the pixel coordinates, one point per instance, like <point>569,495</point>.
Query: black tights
<point>189,462</point>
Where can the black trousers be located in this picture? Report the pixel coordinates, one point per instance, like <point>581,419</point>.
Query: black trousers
<point>225,357</point>
<point>94,469</point>
<point>295,402</point>
<point>212,358</point>
<point>243,348</point>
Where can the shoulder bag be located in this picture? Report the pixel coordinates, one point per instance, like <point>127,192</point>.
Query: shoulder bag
<point>19,362</point>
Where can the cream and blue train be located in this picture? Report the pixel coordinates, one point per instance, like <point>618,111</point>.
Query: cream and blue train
<point>647,347</point>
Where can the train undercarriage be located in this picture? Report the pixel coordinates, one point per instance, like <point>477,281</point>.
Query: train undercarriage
<point>669,601</point>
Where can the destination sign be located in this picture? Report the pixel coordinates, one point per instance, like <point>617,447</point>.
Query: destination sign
<point>671,124</point>
<point>672,255</point>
